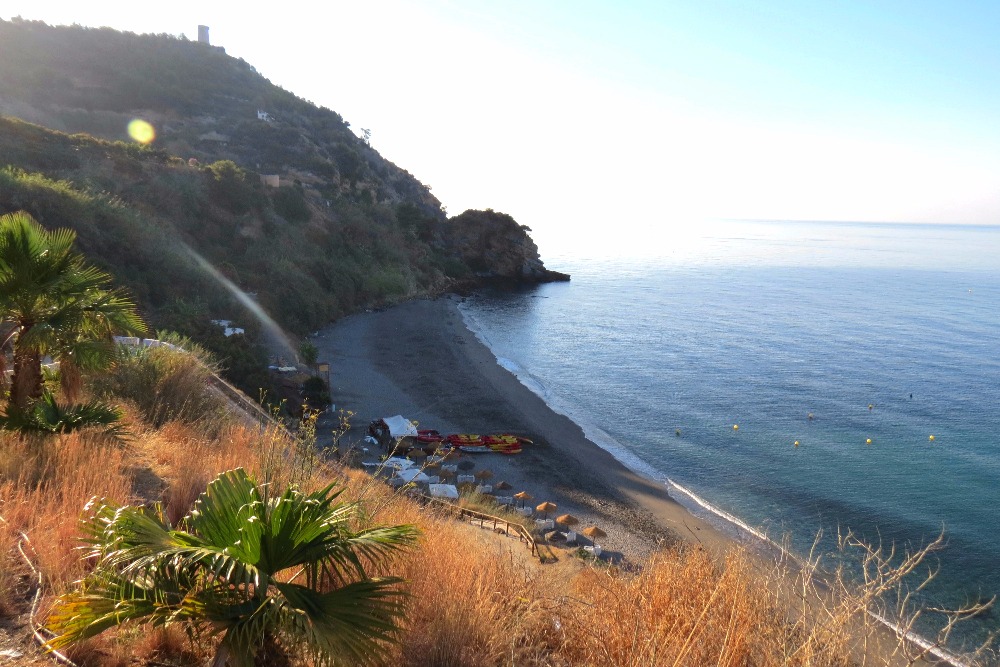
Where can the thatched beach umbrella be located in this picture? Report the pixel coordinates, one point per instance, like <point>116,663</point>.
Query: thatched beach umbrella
<point>466,465</point>
<point>446,474</point>
<point>545,508</point>
<point>594,533</point>
<point>567,521</point>
<point>502,486</point>
<point>433,466</point>
<point>484,475</point>
<point>522,496</point>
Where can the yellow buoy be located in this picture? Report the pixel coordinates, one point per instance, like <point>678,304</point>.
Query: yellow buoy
<point>932,437</point>
<point>871,406</point>
<point>736,427</point>
<point>677,433</point>
<point>811,416</point>
<point>796,443</point>
<point>868,441</point>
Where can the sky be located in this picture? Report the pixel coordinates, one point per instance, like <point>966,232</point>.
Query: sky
<point>579,117</point>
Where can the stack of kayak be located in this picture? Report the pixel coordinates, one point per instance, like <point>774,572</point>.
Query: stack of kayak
<point>476,444</point>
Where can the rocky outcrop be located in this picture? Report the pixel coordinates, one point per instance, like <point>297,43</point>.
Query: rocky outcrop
<point>495,247</point>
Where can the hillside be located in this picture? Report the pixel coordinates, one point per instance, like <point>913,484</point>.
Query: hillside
<point>333,227</point>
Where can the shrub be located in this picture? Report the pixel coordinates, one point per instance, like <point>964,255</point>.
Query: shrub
<point>290,204</point>
<point>163,383</point>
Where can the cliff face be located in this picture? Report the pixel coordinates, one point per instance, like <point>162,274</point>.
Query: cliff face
<point>495,247</point>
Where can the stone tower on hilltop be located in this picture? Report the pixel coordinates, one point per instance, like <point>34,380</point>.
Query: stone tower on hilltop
<point>203,34</point>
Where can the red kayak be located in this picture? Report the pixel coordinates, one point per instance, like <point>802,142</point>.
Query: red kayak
<point>429,435</point>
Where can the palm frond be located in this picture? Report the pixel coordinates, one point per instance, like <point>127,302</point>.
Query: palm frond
<point>216,570</point>
<point>230,512</point>
<point>48,416</point>
<point>355,622</point>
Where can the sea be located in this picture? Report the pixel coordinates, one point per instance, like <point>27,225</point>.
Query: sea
<point>793,381</point>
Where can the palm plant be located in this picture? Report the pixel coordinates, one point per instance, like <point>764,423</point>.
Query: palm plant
<point>52,299</point>
<point>245,566</point>
<point>48,416</point>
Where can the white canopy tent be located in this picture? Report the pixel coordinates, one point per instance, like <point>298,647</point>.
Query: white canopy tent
<point>444,491</point>
<point>400,426</point>
<point>412,475</point>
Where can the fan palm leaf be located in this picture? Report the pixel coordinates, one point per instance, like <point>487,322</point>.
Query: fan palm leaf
<point>48,416</point>
<point>52,299</point>
<point>232,568</point>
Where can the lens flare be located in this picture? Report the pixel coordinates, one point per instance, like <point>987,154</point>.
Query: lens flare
<point>141,131</point>
<point>271,328</point>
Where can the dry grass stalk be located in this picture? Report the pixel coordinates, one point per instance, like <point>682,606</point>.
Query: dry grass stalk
<point>476,599</point>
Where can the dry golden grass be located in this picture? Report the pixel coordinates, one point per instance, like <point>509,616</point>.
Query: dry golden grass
<point>476,598</point>
<point>683,608</point>
<point>45,499</point>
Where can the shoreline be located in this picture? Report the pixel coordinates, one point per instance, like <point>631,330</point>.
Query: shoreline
<point>421,359</point>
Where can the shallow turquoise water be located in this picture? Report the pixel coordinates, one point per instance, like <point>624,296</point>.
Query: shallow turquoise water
<point>761,324</point>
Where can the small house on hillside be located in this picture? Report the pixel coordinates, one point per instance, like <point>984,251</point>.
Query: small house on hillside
<point>228,329</point>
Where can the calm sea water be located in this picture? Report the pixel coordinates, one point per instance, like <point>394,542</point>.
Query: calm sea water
<point>762,324</point>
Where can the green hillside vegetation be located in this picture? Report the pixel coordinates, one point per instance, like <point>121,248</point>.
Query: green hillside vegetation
<point>345,230</point>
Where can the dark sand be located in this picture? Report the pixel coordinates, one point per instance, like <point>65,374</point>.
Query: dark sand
<point>419,360</point>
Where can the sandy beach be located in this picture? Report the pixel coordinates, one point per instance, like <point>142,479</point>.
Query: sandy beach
<point>421,361</point>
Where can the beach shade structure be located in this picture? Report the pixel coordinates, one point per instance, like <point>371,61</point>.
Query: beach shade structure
<point>522,496</point>
<point>412,475</point>
<point>466,465</point>
<point>484,475</point>
<point>434,466</point>
<point>546,507</point>
<point>443,491</point>
<point>567,521</point>
<point>502,486</point>
<point>446,474</point>
<point>594,533</point>
<point>397,462</point>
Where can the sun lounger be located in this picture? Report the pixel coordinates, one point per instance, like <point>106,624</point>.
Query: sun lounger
<point>525,511</point>
<point>484,488</point>
<point>545,524</point>
<point>595,550</point>
<point>570,537</point>
<point>505,500</point>
<point>466,479</point>
<point>453,467</point>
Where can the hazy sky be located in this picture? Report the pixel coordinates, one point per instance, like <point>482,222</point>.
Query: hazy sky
<point>573,116</point>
